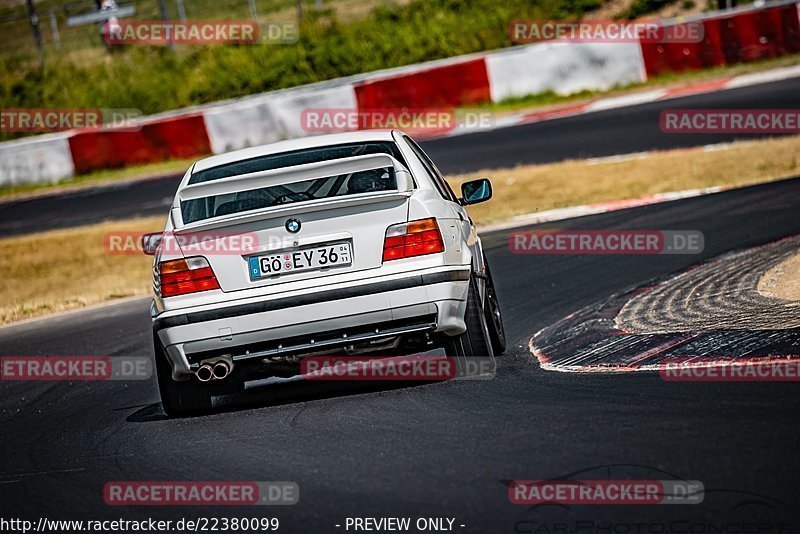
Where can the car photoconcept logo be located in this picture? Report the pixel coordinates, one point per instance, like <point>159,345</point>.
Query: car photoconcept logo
<point>293,226</point>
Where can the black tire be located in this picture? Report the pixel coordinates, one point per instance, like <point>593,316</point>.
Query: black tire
<point>475,342</point>
<point>494,319</point>
<point>179,398</point>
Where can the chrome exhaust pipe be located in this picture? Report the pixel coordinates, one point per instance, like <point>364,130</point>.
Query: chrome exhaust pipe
<point>221,369</point>
<point>205,373</point>
<point>214,369</point>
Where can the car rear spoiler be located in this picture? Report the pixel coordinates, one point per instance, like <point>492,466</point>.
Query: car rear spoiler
<point>297,173</point>
<point>287,175</point>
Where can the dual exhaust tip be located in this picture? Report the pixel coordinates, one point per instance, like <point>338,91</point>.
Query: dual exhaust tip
<point>216,369</point>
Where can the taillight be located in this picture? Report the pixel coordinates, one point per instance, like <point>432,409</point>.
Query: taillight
<point>179,277</point>
<point>415,238</point>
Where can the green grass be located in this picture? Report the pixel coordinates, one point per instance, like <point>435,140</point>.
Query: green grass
<point>540,99</point>
<point>642,7</point>
<point>154,79</point>
<point>15,31</point>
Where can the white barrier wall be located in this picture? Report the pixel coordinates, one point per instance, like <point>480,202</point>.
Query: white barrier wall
<point>35,160</point>
<point>240,125</point>
<point>563,68</point>
<point>288,107</point>
<point>271,117</point>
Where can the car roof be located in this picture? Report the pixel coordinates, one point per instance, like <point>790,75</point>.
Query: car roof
<point>360,136</point>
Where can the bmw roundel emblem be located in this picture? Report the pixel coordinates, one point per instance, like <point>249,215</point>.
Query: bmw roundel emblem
<point>293,226</point>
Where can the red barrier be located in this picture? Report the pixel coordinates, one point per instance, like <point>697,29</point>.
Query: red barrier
<point>162,139</point>
<point>445,86</point>
<point>737,38</point>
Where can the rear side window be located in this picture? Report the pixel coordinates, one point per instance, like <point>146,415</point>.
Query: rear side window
<point>438,180</point>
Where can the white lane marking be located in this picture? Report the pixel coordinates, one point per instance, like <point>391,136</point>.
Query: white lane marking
<point>7,479</point>
<point>756,78</point>
<point>717,147</point>
<point>617,159</point>
<point>624,101</point>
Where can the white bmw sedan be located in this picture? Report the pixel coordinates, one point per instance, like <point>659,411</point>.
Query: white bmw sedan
<point>344,243</point>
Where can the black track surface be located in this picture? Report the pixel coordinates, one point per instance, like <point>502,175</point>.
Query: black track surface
<point>440,450</point>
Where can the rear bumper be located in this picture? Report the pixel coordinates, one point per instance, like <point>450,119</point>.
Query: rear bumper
<point>437,297</point>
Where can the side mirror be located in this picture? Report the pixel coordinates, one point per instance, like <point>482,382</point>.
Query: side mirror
<point>151,242</point>
<point>475,191</point>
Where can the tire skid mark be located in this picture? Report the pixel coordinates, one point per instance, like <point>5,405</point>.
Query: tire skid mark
<point>722,294</point>
<point>711,310</point>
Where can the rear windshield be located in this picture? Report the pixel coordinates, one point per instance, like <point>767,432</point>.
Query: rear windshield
<point>296,157</point>
<point>332,186</point>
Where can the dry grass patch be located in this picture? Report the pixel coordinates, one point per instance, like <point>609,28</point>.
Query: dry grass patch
<point>532,188</point>
<point>64,269</point>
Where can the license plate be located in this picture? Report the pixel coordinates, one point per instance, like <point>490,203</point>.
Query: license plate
<point>304,259</point>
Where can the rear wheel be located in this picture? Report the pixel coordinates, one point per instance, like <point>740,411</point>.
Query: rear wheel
<point>475,342</point>
<point>494,320</point>
<point>179,398</point>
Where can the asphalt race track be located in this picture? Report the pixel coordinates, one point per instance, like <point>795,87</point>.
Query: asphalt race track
<point>606,133</point>
<point>439,450</point>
